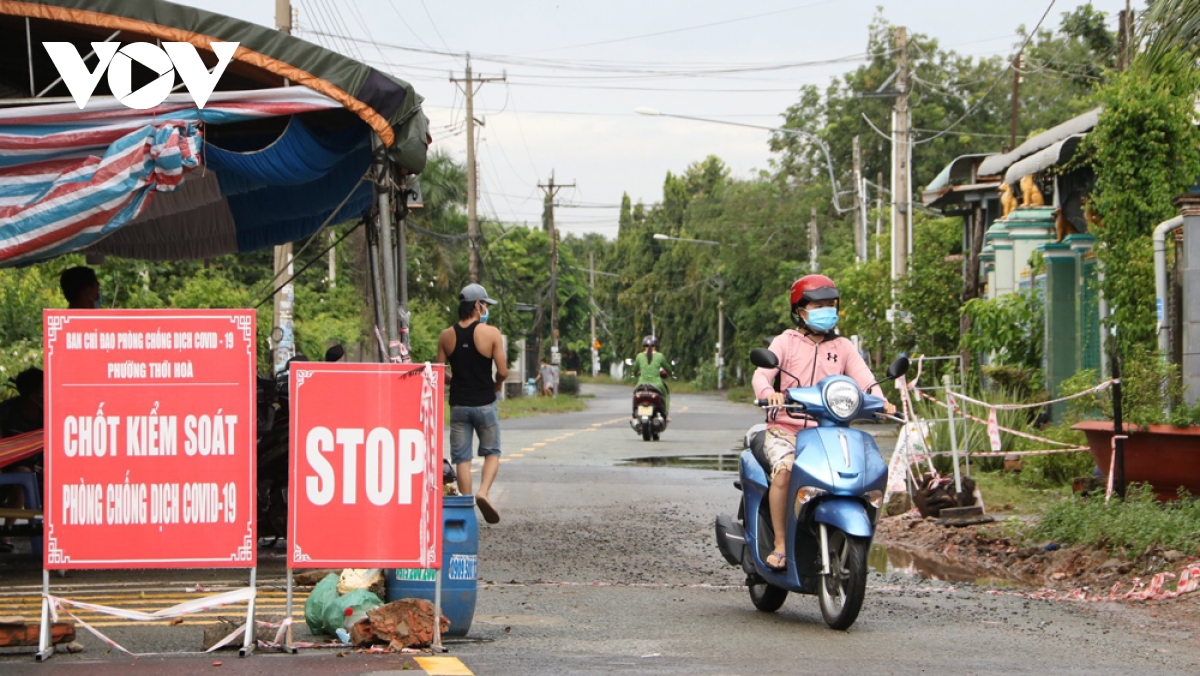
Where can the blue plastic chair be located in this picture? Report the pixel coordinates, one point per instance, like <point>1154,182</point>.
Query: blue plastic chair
<point>28,481</point>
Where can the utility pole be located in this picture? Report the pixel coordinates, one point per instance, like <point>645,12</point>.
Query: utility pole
<point>814,243</point>
<point>332,260</point>
<point>901,208</point>
<point>285,344</point>
<point>551,190</point>
<point>860,204</point>
<point>878,212</point>
<point>592,302</point>
<point>1016,102</point>
<point>721,338</point>
<point>1122,33</point>
<point>474,235</point>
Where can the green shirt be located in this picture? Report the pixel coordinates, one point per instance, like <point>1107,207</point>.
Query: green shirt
<point>648,369</point>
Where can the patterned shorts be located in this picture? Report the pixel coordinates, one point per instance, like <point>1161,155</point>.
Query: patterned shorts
<point>780,449</point>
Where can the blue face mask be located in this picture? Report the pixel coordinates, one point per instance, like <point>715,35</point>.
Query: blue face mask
<point>99,301</point>
<point>822,319</point>
<point>486,313</point>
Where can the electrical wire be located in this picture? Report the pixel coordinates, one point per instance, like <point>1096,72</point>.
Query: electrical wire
<point>1012,64</point>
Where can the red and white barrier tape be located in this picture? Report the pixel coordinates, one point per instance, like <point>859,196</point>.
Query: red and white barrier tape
<point>1015,407</point>
<point>1066,448</point>
<point>179,610</point>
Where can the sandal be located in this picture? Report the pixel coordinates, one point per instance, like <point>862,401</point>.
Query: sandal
<point>489,512</point>
<point>780,561</point>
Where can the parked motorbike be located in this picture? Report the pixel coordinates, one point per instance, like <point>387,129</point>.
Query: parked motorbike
<point>273,446</point>
<point>836,489</point>
<point>649,408</point>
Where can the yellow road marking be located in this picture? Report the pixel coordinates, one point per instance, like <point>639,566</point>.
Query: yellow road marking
<point>527,448</point>
<point>539,443</point>
<point>443,666</point>
<point>503,459</point>
<point>516,455</point>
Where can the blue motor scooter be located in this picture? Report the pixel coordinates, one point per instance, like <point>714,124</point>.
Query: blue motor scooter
<point>836,490</point>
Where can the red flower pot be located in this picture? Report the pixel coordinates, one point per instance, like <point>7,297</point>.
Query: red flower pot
<point>1164,456</point>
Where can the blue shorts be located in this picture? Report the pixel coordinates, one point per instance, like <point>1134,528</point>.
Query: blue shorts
<point>482,420</point>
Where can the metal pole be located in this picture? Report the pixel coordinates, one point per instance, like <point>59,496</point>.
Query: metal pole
<point>592,286</point>
<point>288,640</point>
<point>1118,476</point>
<point>473,234</point>
<point>402,264</point>
<point>249,640</point>
<point>437,613</point>
<point>385,247</point>
<point>721,341</point>
<point>45,644</point>
<point>29,55</point>
<point>953,438</point>
<point>377,286</point>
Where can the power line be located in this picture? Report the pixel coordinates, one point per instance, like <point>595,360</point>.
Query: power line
<point>723,22</point>
<point>995,82</point>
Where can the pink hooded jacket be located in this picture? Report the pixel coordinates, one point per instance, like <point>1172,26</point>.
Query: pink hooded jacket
<point>811,362</point>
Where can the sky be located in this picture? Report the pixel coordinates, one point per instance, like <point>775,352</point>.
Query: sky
<point>577,70</point>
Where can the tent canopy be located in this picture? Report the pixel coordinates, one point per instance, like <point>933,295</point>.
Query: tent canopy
<point>261,164</point>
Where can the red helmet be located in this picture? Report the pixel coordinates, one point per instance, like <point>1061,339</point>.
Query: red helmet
<point>810,288</point>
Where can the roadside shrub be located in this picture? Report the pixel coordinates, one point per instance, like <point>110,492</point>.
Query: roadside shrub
<point>706,376</point>
<point>1057,469</point>
<point>1134,524</point>
<point>569,384</point>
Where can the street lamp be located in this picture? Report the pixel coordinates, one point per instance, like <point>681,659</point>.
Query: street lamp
<point>654,112</point>
<point>720,295</point>
<point>659,235</point>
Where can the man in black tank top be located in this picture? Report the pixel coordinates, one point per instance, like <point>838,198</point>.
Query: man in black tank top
<point>471,347</point>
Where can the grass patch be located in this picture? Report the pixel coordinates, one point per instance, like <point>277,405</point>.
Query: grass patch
<point>1005,494</point>
<point>527,407</point>
<point>742,394</point>
<point>1131,525</point>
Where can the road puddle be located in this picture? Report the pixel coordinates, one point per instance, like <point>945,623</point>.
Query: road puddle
<point>720,462</point>
<point>885,559</point>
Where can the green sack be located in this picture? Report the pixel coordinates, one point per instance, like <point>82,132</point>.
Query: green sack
<point>325,609</point>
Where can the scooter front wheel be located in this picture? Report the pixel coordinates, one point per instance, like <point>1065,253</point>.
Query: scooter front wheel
<point>842,591</point>
<point>767,597</point>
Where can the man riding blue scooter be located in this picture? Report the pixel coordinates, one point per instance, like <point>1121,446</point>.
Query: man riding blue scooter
<point>812,351</point>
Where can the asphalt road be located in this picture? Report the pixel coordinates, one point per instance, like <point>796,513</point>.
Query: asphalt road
<point>600,565</point>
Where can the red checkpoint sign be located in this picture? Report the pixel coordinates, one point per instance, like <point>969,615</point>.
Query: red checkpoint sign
<point>365,486</point>
<point>150,439</point>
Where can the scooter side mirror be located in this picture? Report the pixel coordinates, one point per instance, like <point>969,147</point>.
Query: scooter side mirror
<point>897,368</point>
<point>674,363</point>
<point>629,362</point>
<point>764,358</point>
<point>335,353</point>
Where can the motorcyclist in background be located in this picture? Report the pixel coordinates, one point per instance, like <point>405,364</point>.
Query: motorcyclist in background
<point>650,367</point>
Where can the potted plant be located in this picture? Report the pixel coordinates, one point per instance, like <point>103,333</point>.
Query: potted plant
<point>1163,445</point>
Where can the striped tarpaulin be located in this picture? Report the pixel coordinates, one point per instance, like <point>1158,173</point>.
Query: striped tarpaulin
<point>71,177</point>
<point>21,446</point>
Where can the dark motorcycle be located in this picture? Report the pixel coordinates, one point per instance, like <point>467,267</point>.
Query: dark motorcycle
<point>649,407</point>
<point>273,446</point>
<point>649,412</point>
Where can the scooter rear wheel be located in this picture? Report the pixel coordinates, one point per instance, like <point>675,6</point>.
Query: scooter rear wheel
<point>842,591</point>
<point>767,597</point>
<point>646,432</point>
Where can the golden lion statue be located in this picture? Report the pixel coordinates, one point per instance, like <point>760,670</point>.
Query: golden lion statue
<point>1030,195</point>
<point>1008,201</point>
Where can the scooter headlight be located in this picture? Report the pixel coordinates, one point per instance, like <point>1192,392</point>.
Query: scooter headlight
<point>843,399</point>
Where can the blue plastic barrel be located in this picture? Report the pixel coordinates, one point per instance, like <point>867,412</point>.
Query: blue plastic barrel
<point>460,566</point>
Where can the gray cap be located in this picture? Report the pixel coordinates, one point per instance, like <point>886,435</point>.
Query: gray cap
<point>475,292</point>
